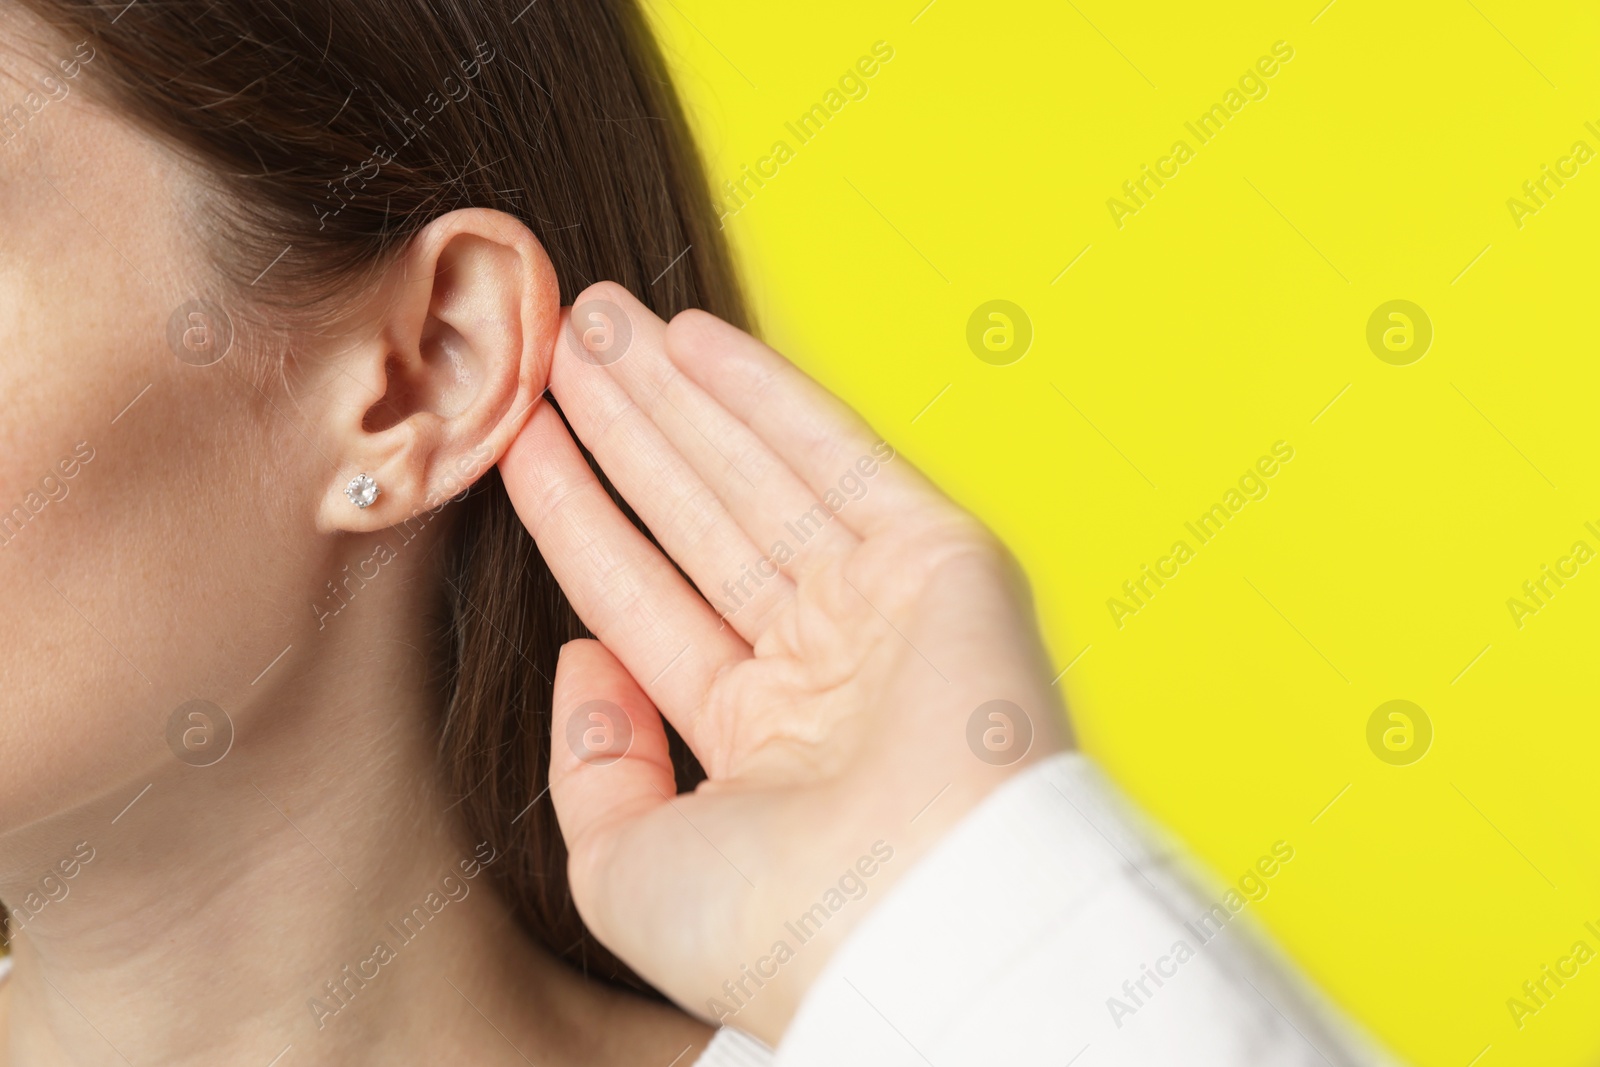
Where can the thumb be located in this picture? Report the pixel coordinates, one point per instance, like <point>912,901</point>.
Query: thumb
<point>609,762</point>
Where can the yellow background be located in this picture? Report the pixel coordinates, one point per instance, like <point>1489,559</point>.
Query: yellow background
<point>1222,317</point>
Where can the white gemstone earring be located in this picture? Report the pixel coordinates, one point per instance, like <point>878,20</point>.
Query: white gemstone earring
<point>362,491</point>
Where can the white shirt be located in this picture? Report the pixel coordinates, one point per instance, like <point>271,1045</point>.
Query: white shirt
<point>1050,924</point>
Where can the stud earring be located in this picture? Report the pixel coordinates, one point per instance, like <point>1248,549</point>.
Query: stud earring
<point>362,491</point>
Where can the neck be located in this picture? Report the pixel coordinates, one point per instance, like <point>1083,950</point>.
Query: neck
<point>308,896</point>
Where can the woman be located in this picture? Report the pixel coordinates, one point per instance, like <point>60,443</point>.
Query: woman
<point>310,756</point>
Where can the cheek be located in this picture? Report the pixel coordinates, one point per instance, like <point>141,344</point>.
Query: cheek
<point>120,596</point>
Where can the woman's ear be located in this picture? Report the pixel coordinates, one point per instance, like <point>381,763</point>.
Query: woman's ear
<point>443,375</point>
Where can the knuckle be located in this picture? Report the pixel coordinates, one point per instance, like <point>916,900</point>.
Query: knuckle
<point>696,516</point>
<point>963,539</point>
<point>762,383</point>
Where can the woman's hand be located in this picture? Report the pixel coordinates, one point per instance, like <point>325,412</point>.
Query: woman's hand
<point>859,666</point>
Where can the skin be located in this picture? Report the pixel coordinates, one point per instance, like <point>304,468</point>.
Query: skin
<point>179,565</point>
<point>830,706</point>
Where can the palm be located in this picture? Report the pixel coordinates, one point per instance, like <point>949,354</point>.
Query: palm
<point>820,658</point>
<point>825,672</point>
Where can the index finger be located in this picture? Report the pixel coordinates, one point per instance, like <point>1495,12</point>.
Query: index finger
<point>621,586</point>
<point>822,439</point>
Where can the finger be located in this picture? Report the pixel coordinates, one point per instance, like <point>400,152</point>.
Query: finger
<point>688,518</point>
<point>846,465</point>
<point>620,814</point>
<point>620,585</point>
<point>609,761</point>
<point>779,512</point>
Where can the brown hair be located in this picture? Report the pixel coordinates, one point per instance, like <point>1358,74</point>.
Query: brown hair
<point>327,133</point>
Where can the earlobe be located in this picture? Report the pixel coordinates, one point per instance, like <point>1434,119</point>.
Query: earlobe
<point>445,372</point>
